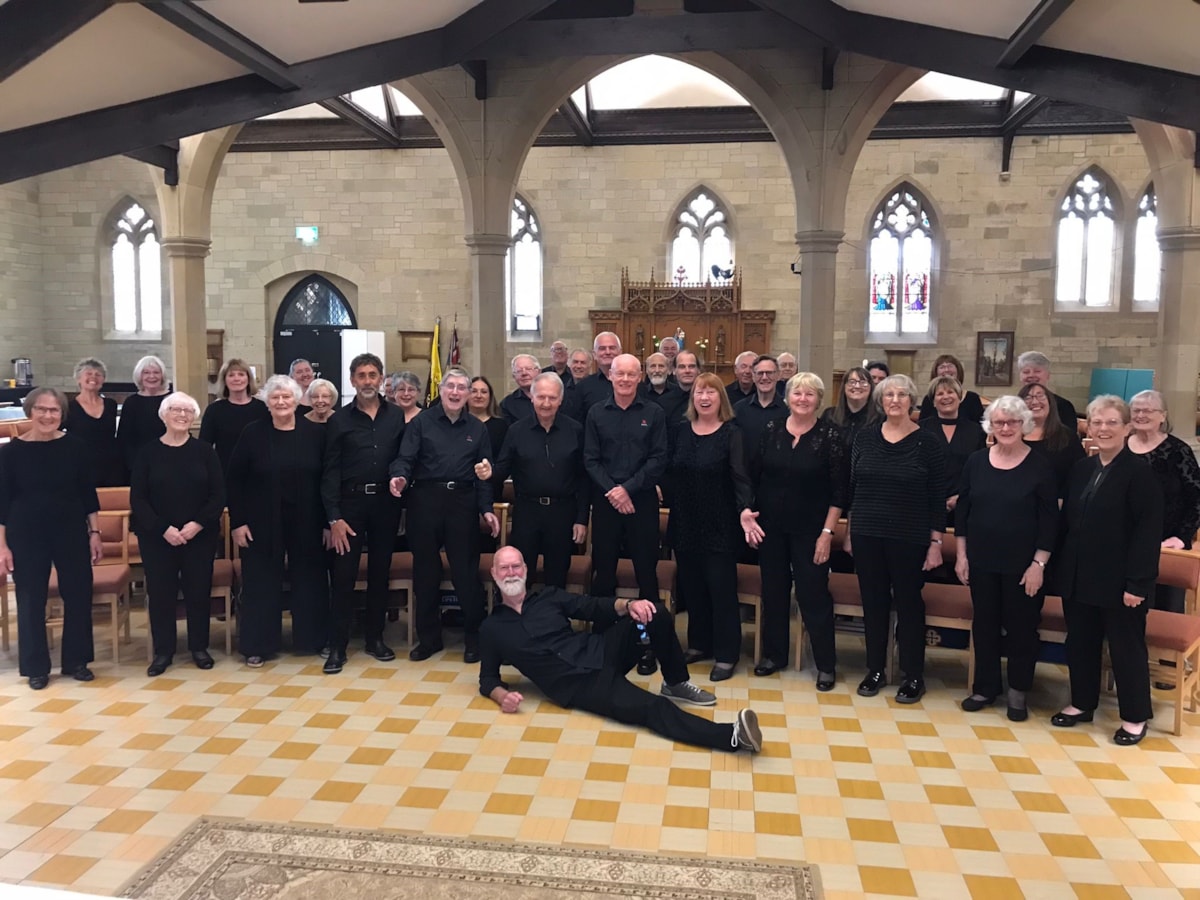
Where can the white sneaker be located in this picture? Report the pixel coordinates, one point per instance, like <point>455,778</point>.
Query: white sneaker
<point>686,692</point>
<point>746,733</point>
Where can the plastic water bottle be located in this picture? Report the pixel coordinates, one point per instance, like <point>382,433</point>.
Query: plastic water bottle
<point>643,636</point>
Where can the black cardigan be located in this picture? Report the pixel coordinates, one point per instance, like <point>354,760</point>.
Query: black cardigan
<point>1111,532</point>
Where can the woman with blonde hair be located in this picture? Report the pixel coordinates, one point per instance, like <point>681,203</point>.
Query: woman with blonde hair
<point>237,407</point>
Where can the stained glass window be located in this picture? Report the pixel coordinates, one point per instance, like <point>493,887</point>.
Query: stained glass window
<point>702,249</point>
<point>901,265</point>
<point>523,265</point>
<point>313,302</point>
<point>1147,258</point>
<point>1086,244</point>
<point>136,272</point>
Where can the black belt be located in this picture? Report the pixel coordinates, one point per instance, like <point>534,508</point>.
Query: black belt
<point>370,488</point>
<point>542,501</point>
<point>450,485</point>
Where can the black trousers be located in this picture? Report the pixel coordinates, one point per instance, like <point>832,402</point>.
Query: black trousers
<point>710,582</point>
<point>1124,628</point>
<point>33,554</point>
<point>889,574</point>
<point>375,518</point>
<point>611,695</point>
<point>640,533</point>
<point>264,570</point>
<point>170,570</point>
<point>440,518</point>
<point>1001,604</point>
<point>545,531</point>
<point>782,559</point>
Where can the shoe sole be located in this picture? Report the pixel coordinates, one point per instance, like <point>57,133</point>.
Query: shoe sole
<point>869,692</point>
<point>688,700</point>
<point>909,700</point>
<point>749,734</point>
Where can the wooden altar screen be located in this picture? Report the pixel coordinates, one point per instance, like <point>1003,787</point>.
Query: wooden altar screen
<point>715,326</point>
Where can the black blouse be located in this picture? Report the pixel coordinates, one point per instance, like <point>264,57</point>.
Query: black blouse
<point>174,486</point>
<point>1174,464</point>
<point>224,422</point>
<point>139,425</point>
<point>99,433</point>
<point>45,486</point>
<point>1007,514</point>
<point>970,408</point>
<point>794,486</point>
<point>1061,460</point>
<point>897,490</point>
<point>707,486</point>
<point>968,437</point>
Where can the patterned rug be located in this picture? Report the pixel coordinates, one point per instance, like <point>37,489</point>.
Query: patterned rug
<point>229,860</point>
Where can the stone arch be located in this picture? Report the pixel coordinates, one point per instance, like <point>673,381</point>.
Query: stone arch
<point>1171,154</point>
<point>671,221</point>
<point>298,263</point>
<point>186,208</point>
<point>1120,201</point>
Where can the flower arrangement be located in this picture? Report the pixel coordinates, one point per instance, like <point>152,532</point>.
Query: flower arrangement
<point>701,344</point>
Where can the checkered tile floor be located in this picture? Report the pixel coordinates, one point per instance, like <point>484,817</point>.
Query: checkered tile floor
<point>928,801</point>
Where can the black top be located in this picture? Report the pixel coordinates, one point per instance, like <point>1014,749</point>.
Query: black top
<point>1061,460</point>
<point>1174,464</point>
<point>540,642</point>
<point>626,447</point>
<point>100,436</point>
<point>436,449</point>
<point>854,422</point>
<point>139,424</point>
<point>736,395</point>
<point>1066,412</point>
<point>223,423</point>
<point>497,429</point>
<point>567,378</point>
<point>517,405</point>
<point>752,417</point>
<point>795,486</point>
<point>174,486</point>
<point>596,388</point>
<point>968,437</point>
<point>673,401</point>
<point>45,487</point>
<point>897,491</point>
<point>707,484</point>
<point>1111,518</point>
<point>546,463</point>
<point>971,407</point>
<point>1009,514</point>
<point>358,450</point>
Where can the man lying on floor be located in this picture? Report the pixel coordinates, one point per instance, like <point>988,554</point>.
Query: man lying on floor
<point>586,670</point>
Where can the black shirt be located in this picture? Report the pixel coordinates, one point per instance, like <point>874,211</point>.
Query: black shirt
<point>1008,514</point>
<point>897,490</point>
<point>970,408</point>
<point>567,378</point>
<point>707,486</point>
<point>752,417</point>
<point>968,437</point>
<point>358,450</point>
<point>546,463</point>
<point>540,642</point>
<point>224,421</point>
<point>139,424</point>
<point>736,395</point>
<point>596,388</point>
<point>1175,467</point>
<point>174,486</point>
<point>437,449</point>
<point>795,485</point>
<point>626,447</point>
<point>46,488</point>
<point>1066,412</point>
<point>672,400</point>
<point>100,435</point>
<point>517,405</point>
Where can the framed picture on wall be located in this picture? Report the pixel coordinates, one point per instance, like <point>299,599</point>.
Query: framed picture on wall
<point>994,358</point>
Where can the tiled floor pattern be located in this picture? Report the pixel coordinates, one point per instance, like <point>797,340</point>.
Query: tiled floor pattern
<point>96,779</point>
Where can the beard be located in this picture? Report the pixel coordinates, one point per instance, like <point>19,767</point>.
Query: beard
<point>511,587</point>
<point>658,380</point>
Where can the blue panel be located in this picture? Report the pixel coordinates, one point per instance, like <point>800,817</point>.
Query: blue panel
<point>1122,382</point>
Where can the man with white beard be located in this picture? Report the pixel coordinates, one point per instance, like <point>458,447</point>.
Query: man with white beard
<point>586,670</point>
<point>658,389</point>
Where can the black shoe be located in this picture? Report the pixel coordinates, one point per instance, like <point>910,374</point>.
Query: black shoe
<point>870,685</point>
<point>976,702</point>
<point>1018,713</point>
<point>422,652</point>
<point>334,662</point>
<point>695,656</point>
<point>1121,738</point>
<point>767,667</point>
<point>83,673</point>
<point>721,673</point>
<point>471,651</point>
<point>202,659</point>
<point>647,665</point>
<point>1070,720</point>
<point>911,690</point>
<point>380,651</point>
<point>38,682</point>
<point>825,681</point>
<point>158,666</point>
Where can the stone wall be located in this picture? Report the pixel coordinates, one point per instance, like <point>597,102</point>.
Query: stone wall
<point>20,275</point>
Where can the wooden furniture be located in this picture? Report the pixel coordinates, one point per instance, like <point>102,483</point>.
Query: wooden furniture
<point>716,327</point>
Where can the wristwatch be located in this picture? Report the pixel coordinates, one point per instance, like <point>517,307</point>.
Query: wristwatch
<point>1038,562</point>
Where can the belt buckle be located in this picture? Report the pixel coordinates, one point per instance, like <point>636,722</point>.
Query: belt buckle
<point>451,485</point>
<point>544,501</point>
<point>370,489</point>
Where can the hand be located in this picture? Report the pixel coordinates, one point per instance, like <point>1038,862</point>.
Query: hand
<point>483,470</point>
<point>578,534</point>
<point>619,498</point>
<point>1032,579</point>
<point>242,536</point>
<point>173,537</point>
<point>511,702</point>
<point>640,610</point>
<point>821,552</point>
<point>951,502</point>
<point>750,528</point>
<point>96,546</point>
<point>1133,600</point>
<point>962,569</point>
<point>190,530</point>
<point>340,533</point>
<point>397,486</point>
<point>1173,543</point>
<point>492,523</point>
<point>6,561</point>
<point>933,557</point>
<point>658,494</point>
<point>326,539</point>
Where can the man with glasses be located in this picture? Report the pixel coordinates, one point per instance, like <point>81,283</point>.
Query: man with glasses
<point>518,404</point>
<point>559,363</point>
<point>787,368</point>
<point>753,413</point>
<point>742,385</point>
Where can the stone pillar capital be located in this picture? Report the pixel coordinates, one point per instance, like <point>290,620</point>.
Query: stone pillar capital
<point>1179,237</point>
<point>187,247</point>
<point>488,244</point>
<point>819,241</point>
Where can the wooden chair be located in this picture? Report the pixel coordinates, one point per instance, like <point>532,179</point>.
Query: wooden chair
<point>749,593</point>
<point>666,569</point>
<point>950,606</point>
<point>116,499</point>
<point>4,611</point>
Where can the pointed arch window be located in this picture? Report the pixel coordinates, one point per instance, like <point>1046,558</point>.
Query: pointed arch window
<point>901,265</point>
<point>1086,244</point>
<point>1147,257</point>
<point>702,246</point>
<point>315,303</point>
<point>523,265</point>
<point>136,272</point>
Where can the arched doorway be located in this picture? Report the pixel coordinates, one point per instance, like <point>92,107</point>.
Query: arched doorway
<point>309,325</point>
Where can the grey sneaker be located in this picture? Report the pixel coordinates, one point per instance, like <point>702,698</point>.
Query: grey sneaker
<point>746,733</point>
<point>686,692</point>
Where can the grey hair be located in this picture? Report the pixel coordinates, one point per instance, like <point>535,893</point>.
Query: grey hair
<point>548,376</point>
<point>1154,397</point>
<point>1033,358</point>
<point>323,384</point>
<point>179,398</point>
<point>408,378</point>
<point>668,338</point>
<point>1009,405</point>
<point>295,362</point>
<point>611,334</point>
<point>901,381</point>
<point>90,363</point>
<point>454,372</point>
<point>281,383</point>
<point>144,363</point>
<point>1109,401</point>
<point>513,365</point>
<point>31,399</point>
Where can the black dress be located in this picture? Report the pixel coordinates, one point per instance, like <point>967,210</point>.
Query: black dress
<point>223,423</point>
<point>99,433</point>
<point>139,425</point>
<point>1062,459</point>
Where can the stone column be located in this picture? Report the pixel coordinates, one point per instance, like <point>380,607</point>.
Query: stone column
<point>1179,351</point>
<point>818,290</point>
<point>486,354</point>
<point>185,269</point>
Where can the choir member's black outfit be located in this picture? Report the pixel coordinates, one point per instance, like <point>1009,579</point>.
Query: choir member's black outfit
<point>672,400</point>
<point>551,490</point>
<point>586,669</point>
<point>707,484</point>
<point>970,407</point>
<point>497,429</point>
<point>736,395</point>
<point>140,424</point>
<point>967,438</point>
<point>354,487</point>
<point>897,497</point>
<point>274,486</point>
<point>567,378</point>
<point>174,486</point>
<point>1174,465</point>
<point>437,457</point>
<point>626,447</point>
<point>1061,460</point>
<point>99,433</point>
<point>223,423</point>
<point>596,388</point>
<point>516,406</point>
<point>1006,516</point>
<point>1066,412</point>
<point>46,495</point>
<point>794,487</point>
<point>752,417</point>
<point>1111,519</point>
<point>853,424</point>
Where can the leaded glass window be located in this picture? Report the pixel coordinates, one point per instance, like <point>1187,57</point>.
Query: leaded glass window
<point>702,248</point>
<point>900,265</point>
<point>314,301</point>
<point>136,272</point>
<point>523,267</point>
<point>1147,258</point>
<point>1086,244</point>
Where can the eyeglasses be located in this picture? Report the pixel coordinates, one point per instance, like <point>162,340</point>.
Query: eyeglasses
<point>764,374</point>
<point>1001,424</point>
<point>48,410</point>
<point>181,410</point>
<point>1110,424</point>
<point>1145,412</point>
<point>856,383</point>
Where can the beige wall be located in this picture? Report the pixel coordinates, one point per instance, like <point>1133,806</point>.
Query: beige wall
<point>20,275</point>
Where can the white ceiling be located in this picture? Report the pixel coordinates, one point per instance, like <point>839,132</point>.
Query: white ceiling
<point>994,18</point>
<point>1164,33</point>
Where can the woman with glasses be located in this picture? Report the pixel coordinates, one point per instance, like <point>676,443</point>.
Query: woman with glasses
<point>406,394</point>
<point>322,399</point>
<point>1112,524</point>
<point>1006,527</point>
<point>1174,464</point>
<point>1050,435</point>
<point>853,409</point>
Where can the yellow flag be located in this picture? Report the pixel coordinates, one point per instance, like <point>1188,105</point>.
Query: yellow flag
<point>435,363</point>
